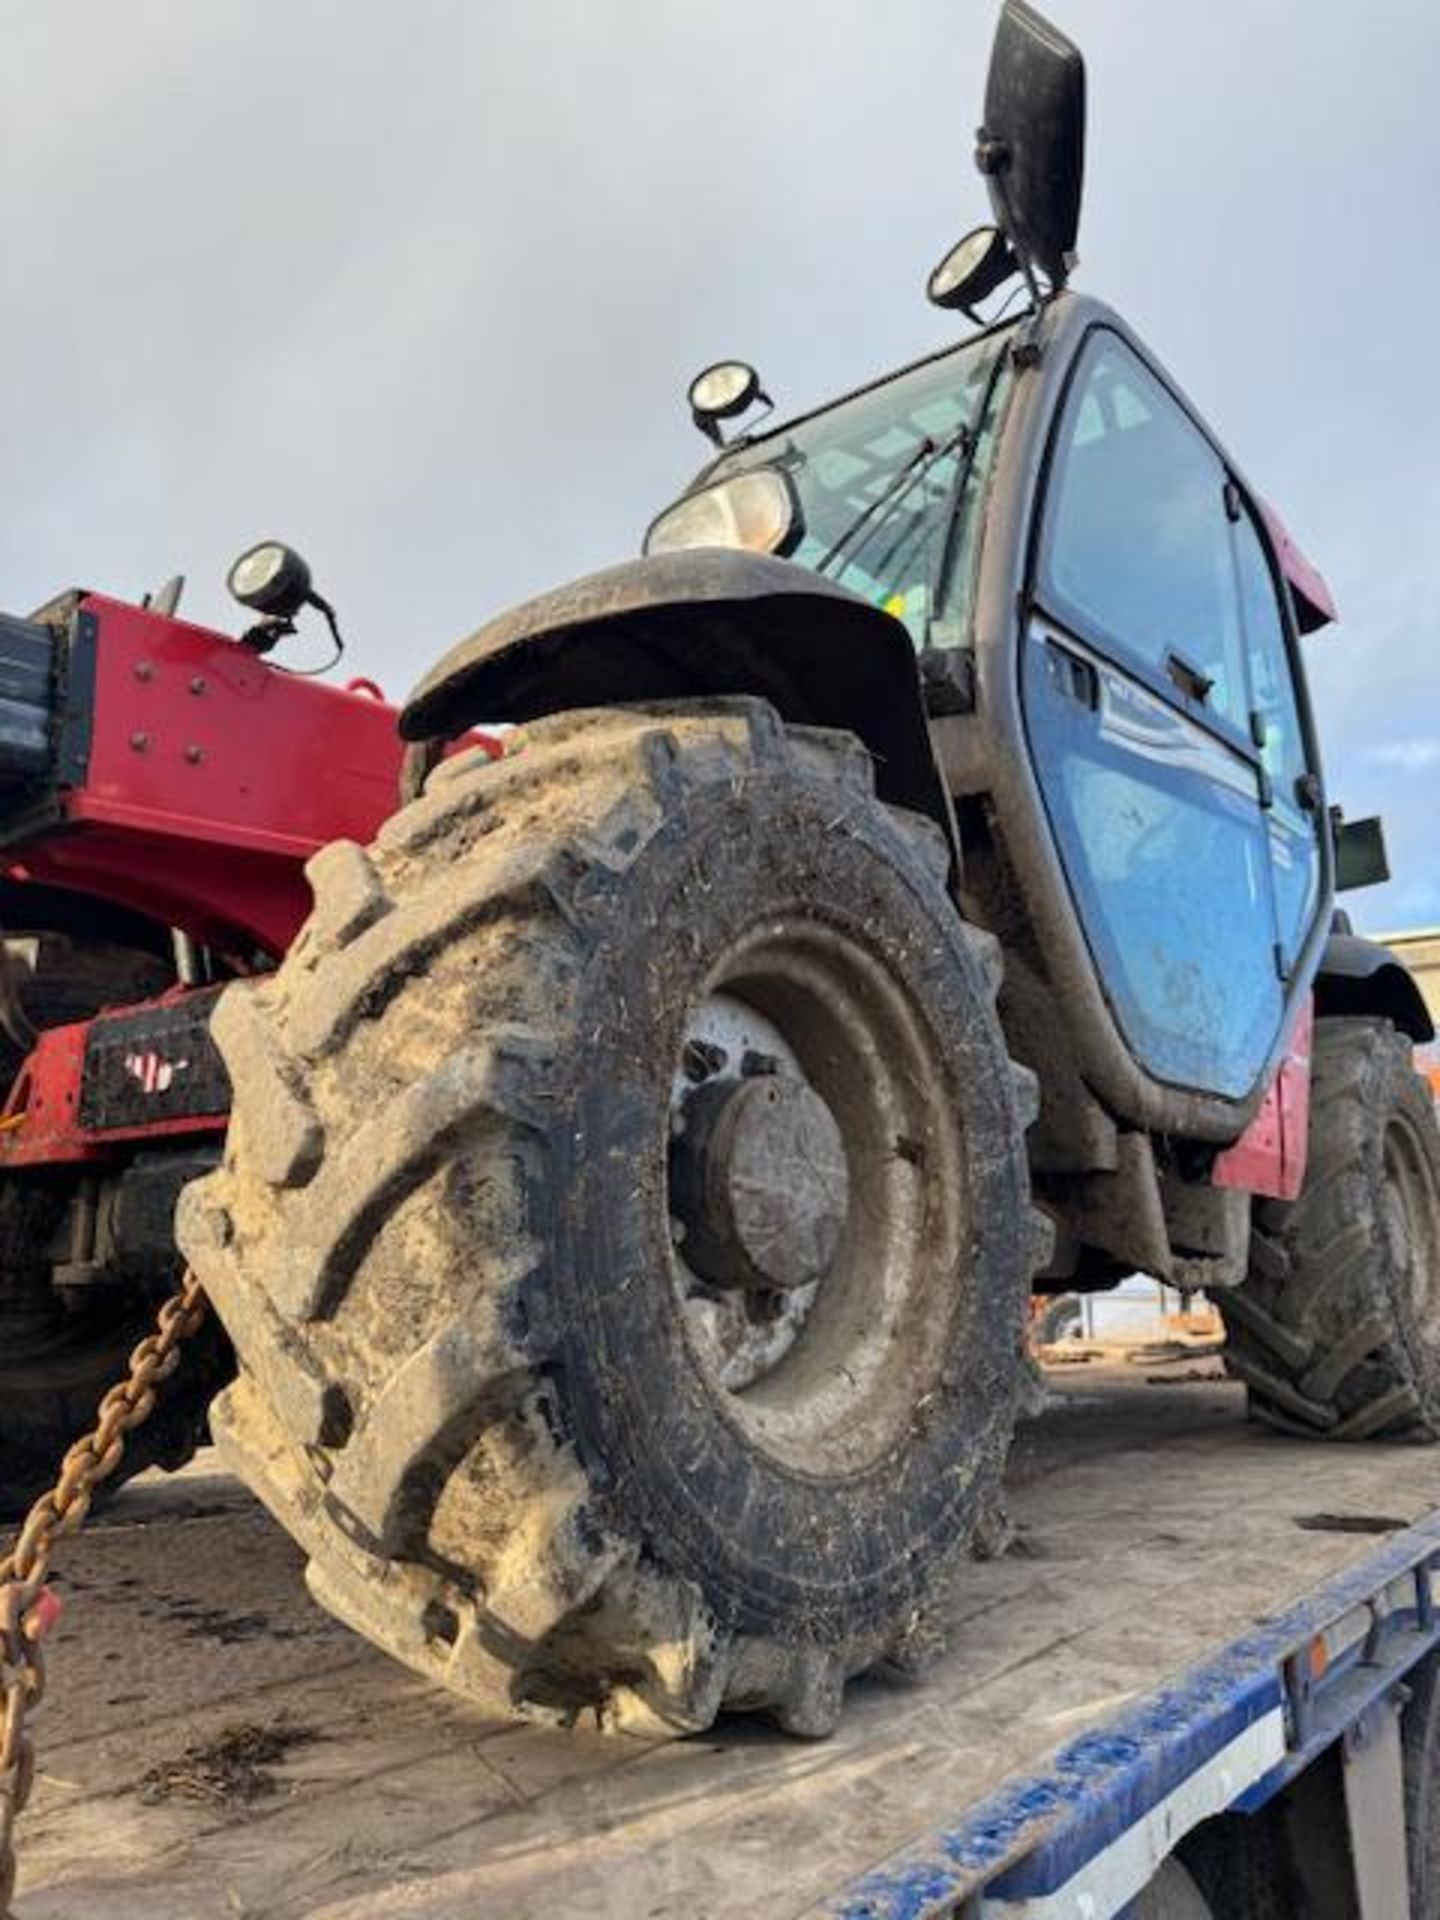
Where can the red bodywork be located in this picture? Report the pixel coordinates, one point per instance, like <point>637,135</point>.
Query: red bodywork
<point>195,784</point>
<point>1314,603</point>
<point>212,778</point>
<point>1270,1156</point>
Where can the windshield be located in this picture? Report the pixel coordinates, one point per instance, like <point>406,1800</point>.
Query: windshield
<point>876,477</point>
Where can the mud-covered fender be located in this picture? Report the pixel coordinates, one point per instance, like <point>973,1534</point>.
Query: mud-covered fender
<point>1359,976</point>
<point>677,626</point>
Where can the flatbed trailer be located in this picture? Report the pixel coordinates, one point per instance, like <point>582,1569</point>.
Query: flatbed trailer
<point>1200,1622</point>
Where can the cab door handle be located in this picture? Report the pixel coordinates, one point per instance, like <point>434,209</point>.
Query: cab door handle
<point>1194,684</point>
<point>1073,676</point>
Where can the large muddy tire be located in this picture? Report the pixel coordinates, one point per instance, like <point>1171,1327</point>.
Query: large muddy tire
<point>625,1229</point>
<point>1336,1331</point>
<point>55,1363</point>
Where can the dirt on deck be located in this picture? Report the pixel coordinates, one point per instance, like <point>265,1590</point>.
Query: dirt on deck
<point>214,1745</point>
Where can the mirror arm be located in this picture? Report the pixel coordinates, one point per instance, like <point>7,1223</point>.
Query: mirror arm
<point>992,157</point>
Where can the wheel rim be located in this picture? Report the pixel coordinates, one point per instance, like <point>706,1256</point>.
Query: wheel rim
<point>824,1355</point>
<point>1412,1218</point>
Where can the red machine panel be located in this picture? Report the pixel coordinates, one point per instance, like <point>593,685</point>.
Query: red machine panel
<point>192,782</point>
<point>206,779</point>
<point>197,735</point>
<point>196,779</point>
<point>1270,1156</point>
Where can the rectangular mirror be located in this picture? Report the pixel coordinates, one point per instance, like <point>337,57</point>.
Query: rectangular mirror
<point>1360,856</point>
<point>1032,145</point>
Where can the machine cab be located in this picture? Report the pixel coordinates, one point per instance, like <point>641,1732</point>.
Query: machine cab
<point>1092,587</point>
<point>1106,631</point>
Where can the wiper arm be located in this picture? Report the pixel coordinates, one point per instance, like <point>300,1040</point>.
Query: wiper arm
<point>941,591</point>
<point>869,520</point>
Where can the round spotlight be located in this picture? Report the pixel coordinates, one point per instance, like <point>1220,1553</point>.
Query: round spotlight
<point>972,269</point>
<point>722,391</point>
<point>271,578</point>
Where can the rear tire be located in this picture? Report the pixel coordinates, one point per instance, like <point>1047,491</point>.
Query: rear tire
<point>571,1402</point>
<point>1336,1330</point>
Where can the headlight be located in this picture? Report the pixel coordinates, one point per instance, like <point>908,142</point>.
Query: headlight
<point>756,511</point>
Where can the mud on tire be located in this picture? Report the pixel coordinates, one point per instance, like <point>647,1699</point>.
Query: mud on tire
<point>527,1447</point>
<point>1336,1331</point>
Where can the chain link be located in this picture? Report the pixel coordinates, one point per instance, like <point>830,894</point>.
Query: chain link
<point>27,1607</point>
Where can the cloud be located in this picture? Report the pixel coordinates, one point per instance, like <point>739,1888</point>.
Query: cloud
<point>1409,756</point>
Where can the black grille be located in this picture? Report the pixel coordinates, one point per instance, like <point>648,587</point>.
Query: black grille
<point>27,681</point>
<point>157,1064</point>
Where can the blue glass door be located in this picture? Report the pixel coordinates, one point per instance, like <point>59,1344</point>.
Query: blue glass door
<point>1137,694</point>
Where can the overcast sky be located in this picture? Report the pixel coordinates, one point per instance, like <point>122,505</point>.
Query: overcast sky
<point>418,286</point>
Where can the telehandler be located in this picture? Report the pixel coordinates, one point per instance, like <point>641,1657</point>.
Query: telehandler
<point>908,886</point>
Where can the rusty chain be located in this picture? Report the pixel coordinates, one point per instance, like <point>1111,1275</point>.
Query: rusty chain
<point>27,1606</point>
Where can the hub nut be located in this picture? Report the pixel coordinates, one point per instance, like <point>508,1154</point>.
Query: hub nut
<point>761,1182</point>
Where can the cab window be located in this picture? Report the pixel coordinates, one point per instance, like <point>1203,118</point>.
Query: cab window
<point>1294,839</point>
<point>1137,555</point>
<point>877,476</point>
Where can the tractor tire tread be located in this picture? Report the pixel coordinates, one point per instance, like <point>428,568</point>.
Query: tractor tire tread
<point>388,1297</point>
<point>1323,1331</point>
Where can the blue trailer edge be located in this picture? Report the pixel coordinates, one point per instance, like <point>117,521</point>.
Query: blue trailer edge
<point>1083,1838</point>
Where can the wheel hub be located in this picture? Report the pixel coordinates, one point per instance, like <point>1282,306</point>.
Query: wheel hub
<point>760,1183</point>
<point>814,1189</point>
<point>1411,1217</point>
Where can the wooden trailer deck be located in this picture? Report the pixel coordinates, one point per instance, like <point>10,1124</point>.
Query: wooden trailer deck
<point>1155,1527</point>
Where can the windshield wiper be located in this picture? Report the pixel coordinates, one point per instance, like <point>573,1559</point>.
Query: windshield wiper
<point>876,512</point>
<point>940,592</point>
